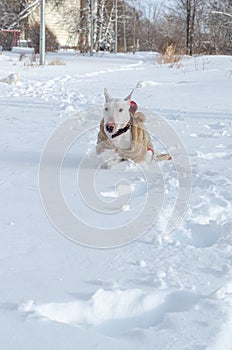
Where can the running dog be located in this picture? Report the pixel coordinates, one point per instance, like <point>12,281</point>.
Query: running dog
<point>122,134</point>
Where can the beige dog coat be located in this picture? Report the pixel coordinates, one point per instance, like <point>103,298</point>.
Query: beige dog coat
<point>141,141</point>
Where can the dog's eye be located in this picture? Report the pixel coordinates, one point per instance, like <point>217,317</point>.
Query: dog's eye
<point>120,109</point>
<point>106,109</point>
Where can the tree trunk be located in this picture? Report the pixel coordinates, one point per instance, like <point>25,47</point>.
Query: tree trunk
<point>99,25</point>
<point>191,7</point>
<point>188,20</point>
<point>124,28</point>
<point>192,25</point>
<point>83,42</point>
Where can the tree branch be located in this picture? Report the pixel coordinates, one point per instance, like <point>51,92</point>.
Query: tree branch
<point>25,13</point>
<point>222,13</point>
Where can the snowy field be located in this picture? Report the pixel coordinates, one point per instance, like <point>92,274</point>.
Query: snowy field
<point>162,291</point>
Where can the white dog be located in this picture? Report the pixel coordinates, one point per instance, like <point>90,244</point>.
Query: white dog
<point>122,133</point>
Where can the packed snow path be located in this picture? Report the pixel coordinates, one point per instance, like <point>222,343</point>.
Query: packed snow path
<point>164,291</point>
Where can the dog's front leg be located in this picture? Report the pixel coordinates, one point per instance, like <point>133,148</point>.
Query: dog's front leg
<point>108,158</point>
<point>145,164</point>
<point>149,156</point>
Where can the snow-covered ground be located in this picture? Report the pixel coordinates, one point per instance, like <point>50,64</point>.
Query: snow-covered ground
<point>162,291</point>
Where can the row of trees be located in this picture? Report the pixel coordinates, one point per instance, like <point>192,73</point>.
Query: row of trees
<point>192,26</point>
<point>117,24</point>
<point>199,26</point>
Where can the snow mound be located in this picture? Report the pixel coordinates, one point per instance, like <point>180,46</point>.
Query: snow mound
<point>10,79</point>
<point>223,292</point>
<point>24,50</point>
<point>146,83</point>
<point>104,305</point>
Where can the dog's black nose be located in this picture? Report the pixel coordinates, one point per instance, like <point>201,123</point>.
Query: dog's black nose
<point>110,128</point>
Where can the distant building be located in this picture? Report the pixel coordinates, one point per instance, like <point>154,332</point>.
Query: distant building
<point>62,20</point>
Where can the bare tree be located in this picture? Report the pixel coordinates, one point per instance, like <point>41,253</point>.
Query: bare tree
<point>100,25</point>
<point>172,28</point>
<point>190,12</point>
<point>149,34</point>
<point>219,26</point>
<point>13,12</point>
<point>83,42</point>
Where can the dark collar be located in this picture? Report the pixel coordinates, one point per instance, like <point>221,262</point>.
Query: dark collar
<point>122,130</point>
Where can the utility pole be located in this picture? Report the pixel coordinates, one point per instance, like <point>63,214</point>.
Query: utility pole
<point>116,27</point>
<point>91,27</point>
<point>42,33</point>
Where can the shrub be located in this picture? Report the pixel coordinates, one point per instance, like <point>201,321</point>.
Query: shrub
<point>169,56</point>
<point>57,62</point>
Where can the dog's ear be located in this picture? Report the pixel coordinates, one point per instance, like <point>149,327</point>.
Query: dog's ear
<point>133,107</point>
<point>129,96</point>
<point>107,95</point>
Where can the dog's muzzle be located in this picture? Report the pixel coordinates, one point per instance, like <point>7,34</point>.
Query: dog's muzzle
<point>110,127</point>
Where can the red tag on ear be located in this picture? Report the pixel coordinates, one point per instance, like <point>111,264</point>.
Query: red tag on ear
<point>133,107</point>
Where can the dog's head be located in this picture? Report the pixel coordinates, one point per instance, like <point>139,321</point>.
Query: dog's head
<point>116,113</point>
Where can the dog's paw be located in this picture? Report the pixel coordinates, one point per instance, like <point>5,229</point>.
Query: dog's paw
<point>149,156</point>
<point>108,158</point>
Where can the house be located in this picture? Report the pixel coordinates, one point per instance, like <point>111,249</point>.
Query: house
<point>62,19</point>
